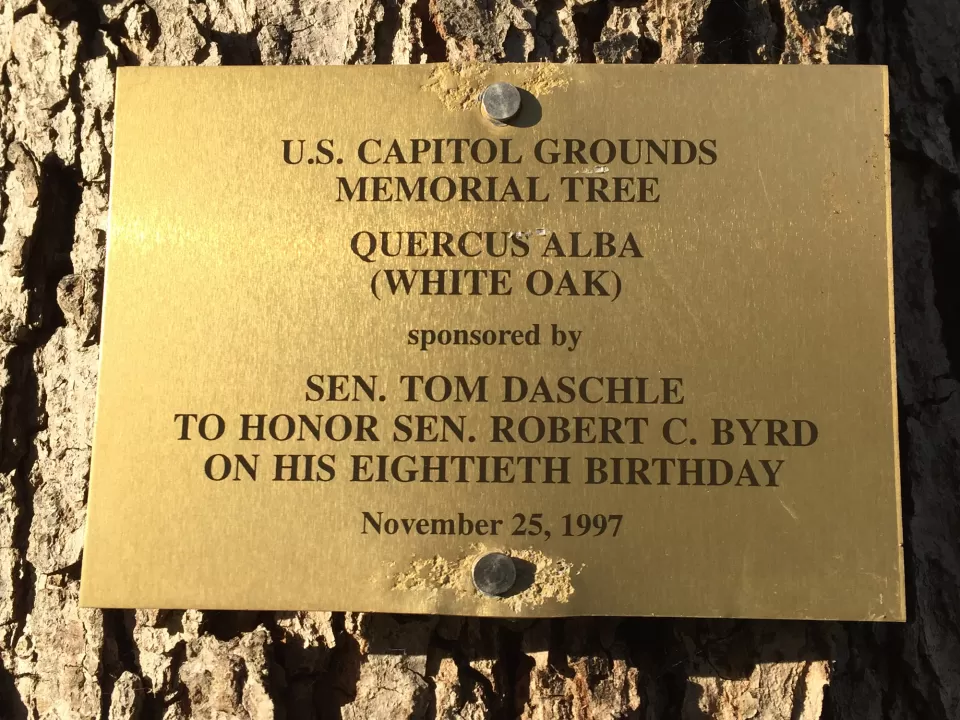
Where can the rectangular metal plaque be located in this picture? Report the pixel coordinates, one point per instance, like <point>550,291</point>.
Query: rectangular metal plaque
<point>356,336</point>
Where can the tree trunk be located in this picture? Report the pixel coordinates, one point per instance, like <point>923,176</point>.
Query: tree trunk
<point>58,661</point>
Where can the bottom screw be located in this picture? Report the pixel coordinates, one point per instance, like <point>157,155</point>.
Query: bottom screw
<point>494,574</point>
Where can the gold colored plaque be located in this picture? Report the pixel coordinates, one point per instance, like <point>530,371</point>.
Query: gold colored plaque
<point>639,339</point>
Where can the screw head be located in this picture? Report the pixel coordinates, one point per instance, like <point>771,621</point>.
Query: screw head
<point>494,574</point>
<point>500,102</point>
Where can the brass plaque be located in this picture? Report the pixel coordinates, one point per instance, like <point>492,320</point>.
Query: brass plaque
<point>357,336</point>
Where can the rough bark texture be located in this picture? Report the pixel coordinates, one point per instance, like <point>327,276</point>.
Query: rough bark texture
<point>57,61</point>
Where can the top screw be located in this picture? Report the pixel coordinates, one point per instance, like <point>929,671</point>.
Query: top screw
<point>500,102</point>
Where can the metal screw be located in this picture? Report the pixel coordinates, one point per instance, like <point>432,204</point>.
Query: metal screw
<point>494,574</point>
<point>500,102</point>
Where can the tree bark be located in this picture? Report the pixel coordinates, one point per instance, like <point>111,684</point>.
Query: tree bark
<point>59,661</point>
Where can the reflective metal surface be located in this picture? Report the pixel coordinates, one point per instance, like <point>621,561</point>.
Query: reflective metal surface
<point>640,339</point>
